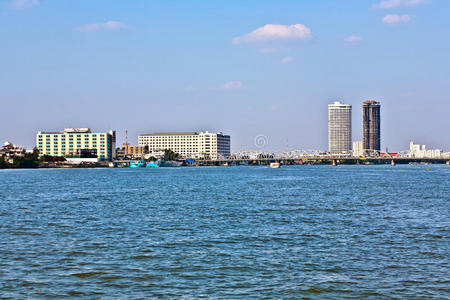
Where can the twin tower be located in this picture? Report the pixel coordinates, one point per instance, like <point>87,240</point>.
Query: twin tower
<point>340,128</point>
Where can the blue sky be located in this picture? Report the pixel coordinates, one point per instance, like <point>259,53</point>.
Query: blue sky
<point>246,68</point>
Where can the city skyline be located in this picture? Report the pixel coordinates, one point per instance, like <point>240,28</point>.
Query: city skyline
<point>149,67</point>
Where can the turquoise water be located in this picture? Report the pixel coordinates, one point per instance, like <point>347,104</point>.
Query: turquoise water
<point>237,232</point>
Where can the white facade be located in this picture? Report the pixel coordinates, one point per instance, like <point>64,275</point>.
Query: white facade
<point>339,128</point>
<point>253,155</point>
<point>420,151</point>
<point>71,141</point>
<point>189,144</point>
<point>77,161</point>
<point>357,149</point>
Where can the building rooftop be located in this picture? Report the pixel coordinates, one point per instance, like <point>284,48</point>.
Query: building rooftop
<point>77,130</point>
<point>71,130</point>
<point>170,133</point>
<point>338,103</point>
<point>179,133</point>
<point>371,102</point>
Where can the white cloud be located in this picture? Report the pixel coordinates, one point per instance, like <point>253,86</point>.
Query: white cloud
<point>353,39</point>
<point>398,3</point>
<point>286,60</point>
<point>269,50</point>
<point>393,19</point>
<point>272,107</point>
<point>189,89</point>
<point>110,25</point>
<point>272,32</point>
<point>23,4</point>
<point>232,85</point>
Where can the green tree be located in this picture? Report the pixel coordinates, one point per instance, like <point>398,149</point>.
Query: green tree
<point>2,162</point>
<point>170,155</point>
<point>26,161</point>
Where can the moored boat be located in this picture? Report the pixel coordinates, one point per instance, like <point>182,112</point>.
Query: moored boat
<point>137,164</point>
<point>171,163</point>
<point>274,165</point>
<point>153,164</point>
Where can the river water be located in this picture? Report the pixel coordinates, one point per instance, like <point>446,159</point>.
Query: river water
<point>226,232</point>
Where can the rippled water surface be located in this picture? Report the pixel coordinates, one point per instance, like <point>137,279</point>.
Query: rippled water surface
<point>236,232</point>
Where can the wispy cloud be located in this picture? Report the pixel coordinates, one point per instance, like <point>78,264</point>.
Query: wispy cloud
<point>353,39</point>
<point>268,50</point>
<point>231,85</point>
<point>190,88</point>
<point>273,32</point>
<point>394,19</point>
<point>286,60</point>
<point>110,25</point>
<point>23,4</point>
<point>272,107</point>
<point>398,3</point>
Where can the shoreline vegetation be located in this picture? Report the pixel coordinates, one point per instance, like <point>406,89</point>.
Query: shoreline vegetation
<point>29,161</point>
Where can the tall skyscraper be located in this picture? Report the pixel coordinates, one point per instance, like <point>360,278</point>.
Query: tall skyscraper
<point>371,127</point>
<point>339,128</point>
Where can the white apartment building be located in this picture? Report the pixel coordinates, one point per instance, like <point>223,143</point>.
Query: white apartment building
<point>202,144</point>
<point>358,149</point>
<point>420,151</point>
<point>339,128</point>
<point>75,141</point>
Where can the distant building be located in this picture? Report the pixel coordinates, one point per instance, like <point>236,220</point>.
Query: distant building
<point>10,151</point>
<point>339,128</point>
<point>357,149</point>
<point>75,142</point>
<point>420,151</point>
<point>189,144</point>
<point>158,154</point>
<point>371,127</point>
<point>134,151</point>
<point>390,154</point>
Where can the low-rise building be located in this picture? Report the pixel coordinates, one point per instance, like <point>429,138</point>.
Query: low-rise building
<point>134,151</point>
<point>158,154</point>
<point>9,151</point>
<point>420,151</point>
<point>198,145</point>
<point>73,141</point>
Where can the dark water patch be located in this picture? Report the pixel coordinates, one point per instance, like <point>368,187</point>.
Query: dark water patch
<point>139,257</point>
<point>88,274</point>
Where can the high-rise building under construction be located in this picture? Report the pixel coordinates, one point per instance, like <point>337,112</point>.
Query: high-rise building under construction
<point>371,127</point>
